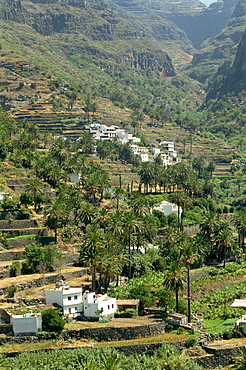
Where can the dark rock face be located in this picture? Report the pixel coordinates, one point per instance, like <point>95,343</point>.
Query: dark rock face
<point>224,44</point>
<point>231,76</point>
<point>158,61</point>
<point>206,24</point>
<point>239,65</point>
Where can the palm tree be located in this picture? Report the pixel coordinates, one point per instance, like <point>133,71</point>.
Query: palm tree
<point>92,245</point>
<point>59,150</point>
<point>118,193</point>
<point>56,215</point>
<point>102,218</point>
<point>180,198</point>
<point>131,224</point>
<point>239,221</point>
<point>223,240</point>
<point>189,256</point>
<point>209,224</point>
<point>139,204</point>
<point>86,213</point>
<point>146,175</point>
<point>34,187</point>
<point>174,279</point>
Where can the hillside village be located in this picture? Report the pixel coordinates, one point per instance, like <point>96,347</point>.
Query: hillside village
<point>122,185</point>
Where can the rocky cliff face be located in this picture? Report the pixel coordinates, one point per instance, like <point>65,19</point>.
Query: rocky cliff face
<point>223,46</point>
<point>207,23</point>
<point>239,65</point>
<point>158,62</point>
<point>231,75</point>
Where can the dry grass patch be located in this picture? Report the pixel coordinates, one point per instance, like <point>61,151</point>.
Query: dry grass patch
<point>45,344</point>
<point>115,323</point>
<point>22,279</point>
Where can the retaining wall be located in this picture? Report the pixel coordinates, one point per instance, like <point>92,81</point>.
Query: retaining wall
<point>51,279</point>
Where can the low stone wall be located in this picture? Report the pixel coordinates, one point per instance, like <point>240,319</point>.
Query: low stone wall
<point>18,224</point>
<point>147,348</point>
<point>5,271</point>
<point>32,231</point>
<point>5,328</point>
<point>11,256</point>
<point>115,334</point>
<point>25,301</point>
<point>8,215</point>
<point>219,357</point>
<point>101,334</point>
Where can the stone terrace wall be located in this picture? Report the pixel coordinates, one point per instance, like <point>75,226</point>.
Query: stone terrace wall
<point>113,334</point>
<point>217,357</point>
<point>11,255</point>
<point>51,279</point>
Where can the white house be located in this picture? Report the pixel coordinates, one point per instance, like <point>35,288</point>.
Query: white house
<point>3,195</point>
<point>75,177</point>
<point>70,299</point>
<point>28,323</point>
<point>168,208</point>
<point>169,147</point>
<point>95,302</point>
<point>104,132</point>
<point>141,152</point>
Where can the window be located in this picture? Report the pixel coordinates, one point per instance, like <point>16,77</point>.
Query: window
<point>108,307</point>
<point>69,298</point>
<point>75,308</point>
<point>75,297</point>
<point>69,310</point>
<point>112,306</point>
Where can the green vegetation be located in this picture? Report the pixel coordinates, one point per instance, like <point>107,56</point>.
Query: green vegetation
<point>166,357</point>
<point>218,325</point>
<point>52,320</point>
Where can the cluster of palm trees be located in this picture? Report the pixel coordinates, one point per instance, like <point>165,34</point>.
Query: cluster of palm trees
<point>157,178</point>
<point>108,236</point>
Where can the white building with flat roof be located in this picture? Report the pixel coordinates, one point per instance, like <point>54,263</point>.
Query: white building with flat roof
<point>96,302</point>
<point>28,323</point>
<point>168,208</point>
<point>70,299</point>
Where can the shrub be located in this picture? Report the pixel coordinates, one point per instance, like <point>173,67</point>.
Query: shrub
<point>12,289</point>
<point>25,213</point>
<point>52,320</point>
<point>5,242</point>
<point>168,328</point>
<point>227,334</point>
<point>191,341</point>
<point>16,267</point>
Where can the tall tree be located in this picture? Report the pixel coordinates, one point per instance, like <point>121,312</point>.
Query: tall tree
<point>35,187</point>
<point>189,257</point>
<point>239,221</point>
<point>91,248</point>
<point>174,279</point>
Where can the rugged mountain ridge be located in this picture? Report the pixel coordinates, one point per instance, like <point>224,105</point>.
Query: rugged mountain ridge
<point>231,75</point>
<point>222,47</point>
<point>205,25</point>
